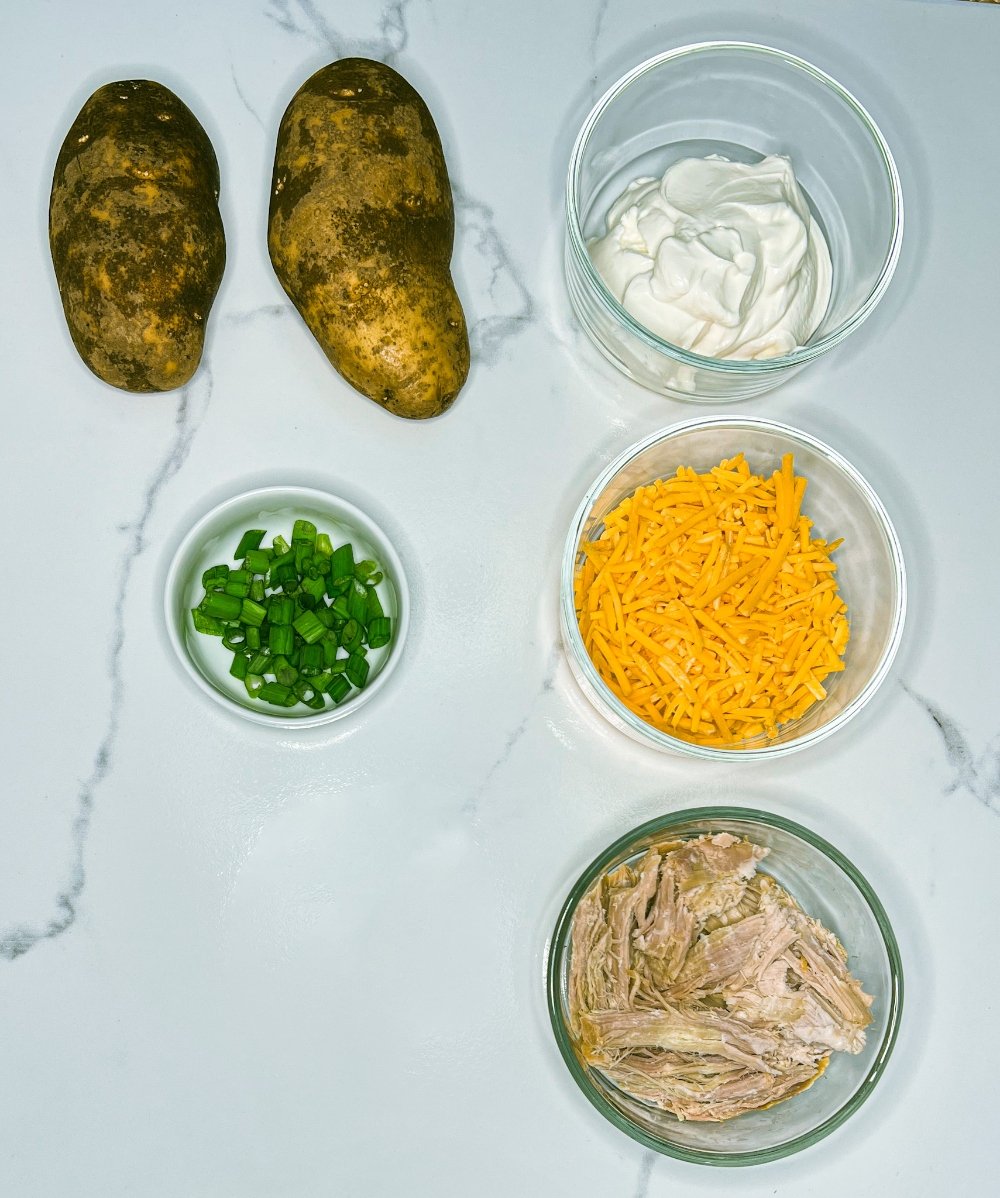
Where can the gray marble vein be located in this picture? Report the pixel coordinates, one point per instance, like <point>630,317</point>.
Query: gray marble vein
<point>645,1172</point>
<point>192,403</point>
<point>245,316</point>
<point>471,805</point>
<point>980,776</point>
<point>504,287</point>
<point>595,36</point>
<point>305,19</point>
<point>243,99</point>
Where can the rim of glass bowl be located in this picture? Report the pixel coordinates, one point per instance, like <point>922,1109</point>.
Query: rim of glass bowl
<point>559,942</point>
<point>802,353</point>
<point>571,627</point>
<point>352,516</point>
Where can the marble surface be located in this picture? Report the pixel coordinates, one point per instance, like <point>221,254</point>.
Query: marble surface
<point>235,962</point>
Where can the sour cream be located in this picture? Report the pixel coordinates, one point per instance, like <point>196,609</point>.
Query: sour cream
<point>723,258</point>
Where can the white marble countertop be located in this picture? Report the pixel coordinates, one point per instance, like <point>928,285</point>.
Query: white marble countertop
<point>239,963</point>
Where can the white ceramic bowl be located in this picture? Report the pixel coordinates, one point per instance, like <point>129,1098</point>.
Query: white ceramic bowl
<point>204,659</point>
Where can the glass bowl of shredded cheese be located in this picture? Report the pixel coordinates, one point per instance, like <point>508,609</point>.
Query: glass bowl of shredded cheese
<point>724,986</point>
<point>731,587</point>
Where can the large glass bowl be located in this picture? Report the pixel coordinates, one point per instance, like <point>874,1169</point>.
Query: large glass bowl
<point>743,101</point>
<point>827,887</point>
<point>870,572</point>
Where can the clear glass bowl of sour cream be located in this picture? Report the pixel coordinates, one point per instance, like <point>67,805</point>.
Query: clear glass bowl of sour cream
<point>757,167</point>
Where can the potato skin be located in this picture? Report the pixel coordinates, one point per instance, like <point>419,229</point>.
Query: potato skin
<point>136,237</point>
<point>360,231</point>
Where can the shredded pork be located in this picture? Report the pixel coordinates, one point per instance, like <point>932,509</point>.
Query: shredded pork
<point>698,985</point>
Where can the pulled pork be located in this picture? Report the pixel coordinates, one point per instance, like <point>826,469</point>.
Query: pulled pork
<point>698,985</point>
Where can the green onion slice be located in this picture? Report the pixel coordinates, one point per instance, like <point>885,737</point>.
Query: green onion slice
<point>251,539</point>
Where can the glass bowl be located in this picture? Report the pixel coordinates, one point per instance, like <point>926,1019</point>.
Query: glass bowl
<point>213,539</point>
<point>743,101</point>
<point>870,574</point>
<point>827,887</point>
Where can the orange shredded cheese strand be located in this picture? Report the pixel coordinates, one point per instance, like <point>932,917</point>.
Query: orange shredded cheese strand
<point>709,608</point>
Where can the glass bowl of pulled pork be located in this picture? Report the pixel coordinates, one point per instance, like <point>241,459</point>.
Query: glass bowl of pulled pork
<point>724,986</point>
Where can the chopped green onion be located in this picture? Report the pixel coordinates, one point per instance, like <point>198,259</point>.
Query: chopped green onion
<point>342,564</point>
<point>252,613</point>
<point>209,625</point>
<point>281,638</point>
<point>258,561</point>
<point>313,587</point>
<point>285,573</point>
<point>379,632</point>
<point>214,576</point>
<point>357,669</point>
<point>261,664</point>
<point>338,688</point>
<point>274,692</point>
<point>373,606</point>
<point>368,572</point>
<point>251,539</point>
<point>281,609</point>
<point>304,530</point>
<point>352,635</point>
<point>311,659</point>
<point>234,638</point>
<point>357,602</point>
<point>272,613</point>
<point>308,627</point>
<point>285,672</point>
<point>306,691</point>
<point>222,607</point>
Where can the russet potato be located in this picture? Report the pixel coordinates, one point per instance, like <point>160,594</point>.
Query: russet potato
<point>136,237</point>
<point>360,232</point>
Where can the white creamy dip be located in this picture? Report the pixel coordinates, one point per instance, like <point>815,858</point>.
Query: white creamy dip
<point>723,258</point>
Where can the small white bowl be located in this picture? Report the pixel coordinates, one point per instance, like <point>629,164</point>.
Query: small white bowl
<point>212,540</point>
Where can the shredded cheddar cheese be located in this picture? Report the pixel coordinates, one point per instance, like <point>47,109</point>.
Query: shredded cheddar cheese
<point>708,607</point>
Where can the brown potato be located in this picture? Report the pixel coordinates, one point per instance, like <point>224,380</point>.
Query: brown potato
<point>136,236</point>
<point>360,233</point>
